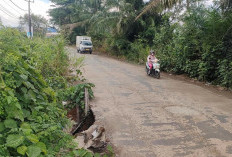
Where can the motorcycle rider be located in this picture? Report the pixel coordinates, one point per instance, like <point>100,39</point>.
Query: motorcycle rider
<point>151,59</point>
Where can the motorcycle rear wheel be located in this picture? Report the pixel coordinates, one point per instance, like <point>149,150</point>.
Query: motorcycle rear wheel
<point>157,75</point>
<point>147,70</point>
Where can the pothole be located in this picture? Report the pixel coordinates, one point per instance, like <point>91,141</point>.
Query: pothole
<point>182,110</point>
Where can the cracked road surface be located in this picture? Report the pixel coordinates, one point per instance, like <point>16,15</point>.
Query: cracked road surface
<point>147,117</point>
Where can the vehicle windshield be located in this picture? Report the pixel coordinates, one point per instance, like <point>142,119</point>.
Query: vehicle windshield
<point>86,43</point>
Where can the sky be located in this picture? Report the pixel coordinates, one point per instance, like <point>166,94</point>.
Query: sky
<point>39,7</point>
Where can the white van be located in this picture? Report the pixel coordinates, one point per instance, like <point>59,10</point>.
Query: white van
<point>84,44</point>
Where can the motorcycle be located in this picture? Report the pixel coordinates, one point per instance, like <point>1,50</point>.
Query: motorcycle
<point>155,71</point>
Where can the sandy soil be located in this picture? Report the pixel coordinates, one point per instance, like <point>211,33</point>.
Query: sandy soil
<point>147,117</point>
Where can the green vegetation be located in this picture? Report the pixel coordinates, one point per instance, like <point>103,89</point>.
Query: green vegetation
<point>189,36</point>
<point>32,117</point>
<point>201,47</point>
<point>76,94</point>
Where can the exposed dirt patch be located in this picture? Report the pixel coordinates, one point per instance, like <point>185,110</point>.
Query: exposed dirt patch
<point>72,114</point>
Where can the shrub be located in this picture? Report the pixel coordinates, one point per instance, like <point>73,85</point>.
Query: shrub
<point>31,115</point>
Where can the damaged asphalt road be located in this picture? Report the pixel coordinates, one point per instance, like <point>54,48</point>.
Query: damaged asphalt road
<point>146,117</point>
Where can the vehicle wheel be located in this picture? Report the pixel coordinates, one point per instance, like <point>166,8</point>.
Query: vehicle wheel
<point>77,51</point>
<point>147,70</point>
<point>157,75</point>
<point>90,52</point>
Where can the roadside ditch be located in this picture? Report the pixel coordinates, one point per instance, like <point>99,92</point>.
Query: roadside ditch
<point>76,100</point>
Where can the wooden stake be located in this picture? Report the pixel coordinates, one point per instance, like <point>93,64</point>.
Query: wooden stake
<point>78,114</point>
<point>86,101</point>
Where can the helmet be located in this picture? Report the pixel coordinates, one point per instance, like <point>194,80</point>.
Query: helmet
<point>152,52</point>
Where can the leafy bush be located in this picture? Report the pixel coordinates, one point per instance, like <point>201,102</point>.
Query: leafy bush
<point>200,47</point>
<point>138,52</point>
<point>31,115</point>
<point>75,95</point>
<point>50,58</point>
<point>31,118</point>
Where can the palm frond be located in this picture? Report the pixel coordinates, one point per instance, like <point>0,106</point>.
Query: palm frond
<point>155,3</point>
<point>71,26</point>
<point>149,7</point>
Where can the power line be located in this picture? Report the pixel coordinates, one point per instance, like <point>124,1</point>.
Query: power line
<point>11,7</point>
<point>17,6</point>
<point>7,11</point>
<point>8,14</point>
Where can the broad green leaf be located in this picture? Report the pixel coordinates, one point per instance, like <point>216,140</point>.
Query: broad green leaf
<point>4,152</point>
<point>14,112</point>
<point>88,154</point>
<point>28,85</point>
<point>40,119</point>
<point>40,97</point>
<point>2,126</point>
<point>36,91</point>
<point>26,98</point>
<point>14,140</point>
<point>24,90</point>
<point>2,85</point>
<point>38,108</point>
<point>18,106</point>
<point>22,150</point>
<point>19,115</point>
<point>33,138</point>
<point>19,83</point>
<point>52,128</point>
<point>9,99</point>
<point>25,125</point>
<point>26,113</point>
<point>27,131</point>
<point>81,152</point>
<point>10,92</point>
<point>33,151</point>
<point>42,146</point>
<point>32,94</point>
<point>97,155</point>
<point>10,123</point>
<point>24,77</point>
<point>26,128</point>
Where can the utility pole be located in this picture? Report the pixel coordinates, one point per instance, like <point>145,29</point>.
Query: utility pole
<point>29,16</point>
